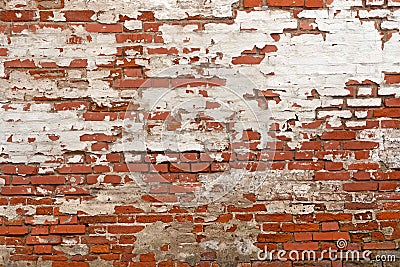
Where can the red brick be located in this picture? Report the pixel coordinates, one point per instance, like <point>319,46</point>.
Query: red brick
<point>13,230</point>
<point>390,124</point>
<point>37,240</point>
<point>359,226</point>
<point>248,60</point>
<point>3,52</point>
<point>17,15</point>
<point>364,166</point>
<point>78,15</point>
<point>271,227</point>
<point>392,78</point>
<point>380,245</point>
<point>302,155</point>
<point>134,37</point>
<point>325,217</point>
<point>180,167</point>
<point>131,167</point>
<point>162,51</point>
<point>123,229</point>
<point>303,236</point>
<point>276,156</point>
<point>310,145</point>
<point>18,63</point>
<point>145,264</point>
<point>78,63</point>
<point>44,210</point>
<point>18,169</point>
<point>285,2</point>
<point>75,169</point>
<point>127,210</point>
<point>252,3</point>
<point>97,137</point>
<point>362,154</point>
<point>97,219</point>
<point>76,105</point>
<point>392,205</point>
<point>104,28</point>
<point>332,145</point>
<point>51,179</point>
<point>307,227</point>
<point>43,249</point>
<point>133,72</point>
<point>147,257</point>
<point>99,146</point>
<point>316,166</point>
<point>68,219</point>
<point>392,102</point>
<point>70,264</point>
<point>153,218</point>
<point>72,190</point>
<point>254,208</point>
<point>244,217</point>
<point>274,238</point>
<point>17,180</point>
<point>330,226</point>
<point>179,82</point>
<point>160,178</point>
<point>67,229</point>
<point>360,145</point>
<point>183,188</point>
<point>360,186</point>
<point>151,26</point>
<point>338,135</point>
<point>388,186</point>
<point>137,83</point>
<point>314,3</point>
<point>189,157</point>
<point>270,49</point>
<point>301,246</point>
<point>333,166</point>
<point>100,116</point>
<point>387,112</point>
<point>100,249</point>
<point>332,176</point>
<point>388,216</point>
<point>17,190</point>
<point>331,236</point>
<point>40,230</point>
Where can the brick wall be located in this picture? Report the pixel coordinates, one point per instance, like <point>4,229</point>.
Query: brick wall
<point>197,133</point>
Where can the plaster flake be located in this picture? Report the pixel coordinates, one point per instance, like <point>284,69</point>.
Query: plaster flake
<point>308,72</point>
<point>169,9</point>
<point>133,24</point>
<point>11,4</point>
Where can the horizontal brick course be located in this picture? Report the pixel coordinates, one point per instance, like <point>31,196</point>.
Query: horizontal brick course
<point>136,133</point>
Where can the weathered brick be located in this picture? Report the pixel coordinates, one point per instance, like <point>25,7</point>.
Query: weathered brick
<point>116,116</point>
<point>67,229</point>
<point>285,3</point>
<point>17,15</point>
<point>360,186</point>
<point>78,15</point>
<point>122,229</point>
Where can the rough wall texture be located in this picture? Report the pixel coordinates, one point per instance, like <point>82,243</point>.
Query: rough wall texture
<point>195,133</point>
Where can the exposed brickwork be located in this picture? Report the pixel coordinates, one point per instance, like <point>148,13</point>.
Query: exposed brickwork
<point>195,133</point>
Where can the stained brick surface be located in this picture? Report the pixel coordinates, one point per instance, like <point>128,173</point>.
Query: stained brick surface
<point>197,133</point>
